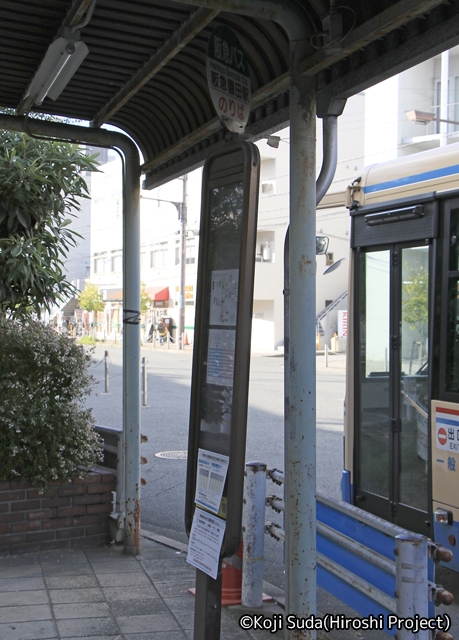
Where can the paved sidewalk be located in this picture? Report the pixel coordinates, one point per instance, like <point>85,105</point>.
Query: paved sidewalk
<point>102,594</point>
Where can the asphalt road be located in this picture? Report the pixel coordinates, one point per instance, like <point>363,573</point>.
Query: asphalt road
<point>165,422</point>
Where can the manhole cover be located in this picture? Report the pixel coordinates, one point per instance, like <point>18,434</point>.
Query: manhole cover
<point>173,455</point>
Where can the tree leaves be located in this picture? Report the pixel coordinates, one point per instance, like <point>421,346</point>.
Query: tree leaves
<point>24,218</point>
<point>41,183</point>
<point>91,299</point>
<point>46,432</point>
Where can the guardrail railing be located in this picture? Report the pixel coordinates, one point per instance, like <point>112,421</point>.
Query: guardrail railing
<point>383,572</point>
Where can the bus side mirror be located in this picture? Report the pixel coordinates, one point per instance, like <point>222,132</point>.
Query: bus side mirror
<point>321,245</point>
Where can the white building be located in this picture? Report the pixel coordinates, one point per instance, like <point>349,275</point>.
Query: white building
<point>268,329</point>
<point>160,248</point>
<point>373,128</point>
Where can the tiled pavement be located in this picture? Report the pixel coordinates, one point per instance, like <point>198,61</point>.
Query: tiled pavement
<point>102,594</point>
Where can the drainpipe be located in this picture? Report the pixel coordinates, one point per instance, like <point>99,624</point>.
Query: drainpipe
<point>131,291</point>
<point>330,155</point>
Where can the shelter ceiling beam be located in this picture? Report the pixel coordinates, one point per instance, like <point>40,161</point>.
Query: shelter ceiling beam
<point>323,64</point>
<point>391,59</point>
<point>159,175</point>
<point>198,21</point>
<point>269,91</point>
<point>396,16</point>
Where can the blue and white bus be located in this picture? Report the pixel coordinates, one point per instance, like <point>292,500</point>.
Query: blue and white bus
<point>401,445</point>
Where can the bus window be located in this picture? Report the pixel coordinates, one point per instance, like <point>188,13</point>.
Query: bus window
<point>402,390</point>
<point>414,441</point>
<point>452,332</point>
<point>374,388</point>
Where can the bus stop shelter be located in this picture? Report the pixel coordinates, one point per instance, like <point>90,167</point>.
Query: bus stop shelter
<point>143,70</point>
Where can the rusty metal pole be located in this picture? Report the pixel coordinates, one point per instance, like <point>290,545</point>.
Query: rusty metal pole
<point>300,437</point>
<point>107,388</point>
<point>144,382</point>
<point>253,534</point>
<point>131,353</point>
<point>131,284</point>
<point>183,230</point>
<point>412,583</point>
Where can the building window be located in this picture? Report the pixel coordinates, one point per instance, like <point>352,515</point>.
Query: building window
<point>456,103</point>
<point>158,256</point>
<point>190,257</point>
<point>99,264</point>
<point>116,263</point>
<point>177,252</point>
<point>453,103</point>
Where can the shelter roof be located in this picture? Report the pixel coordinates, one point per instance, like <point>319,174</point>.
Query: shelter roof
<point>146,68</point>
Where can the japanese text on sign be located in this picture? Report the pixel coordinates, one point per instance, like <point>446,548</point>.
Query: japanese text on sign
<point>206,539</point>
<point>233,92</point>
<point>228,79</point>
<point>229,53</point>
<point>447,428</point>
<point>212,470</point>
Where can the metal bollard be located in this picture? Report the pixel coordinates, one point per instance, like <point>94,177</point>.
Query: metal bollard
<point>253,535</point>
<point>412,584</point>
<point>326,355</point>
<point>144,382</point>
<point>106,372</point>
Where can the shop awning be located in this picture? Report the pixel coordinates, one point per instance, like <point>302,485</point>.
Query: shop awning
<point>158,294</point>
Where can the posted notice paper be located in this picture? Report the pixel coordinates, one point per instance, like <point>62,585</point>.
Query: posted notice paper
<point>205,542</point>
<point>212,470</point>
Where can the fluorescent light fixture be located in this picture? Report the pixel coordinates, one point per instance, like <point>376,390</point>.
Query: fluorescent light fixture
<point>59,65</point>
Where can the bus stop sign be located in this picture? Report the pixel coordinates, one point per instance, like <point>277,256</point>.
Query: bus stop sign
<point>228,79</point>
<point>221,352</point>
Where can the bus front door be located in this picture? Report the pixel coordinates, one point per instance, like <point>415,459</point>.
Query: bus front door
<point>391,464</point>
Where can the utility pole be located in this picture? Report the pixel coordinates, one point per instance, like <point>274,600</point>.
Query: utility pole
<point>182,216</point>
<point>183,228</point>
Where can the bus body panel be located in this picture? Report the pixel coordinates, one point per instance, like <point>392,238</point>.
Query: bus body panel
<point>423,172</point>
<point>430,179</point>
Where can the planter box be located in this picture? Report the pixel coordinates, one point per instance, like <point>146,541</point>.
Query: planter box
<point>69,516</point>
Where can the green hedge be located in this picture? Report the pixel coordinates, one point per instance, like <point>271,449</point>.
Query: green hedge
<point>46,432</point>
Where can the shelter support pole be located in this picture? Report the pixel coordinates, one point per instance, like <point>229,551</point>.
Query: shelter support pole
<point>253,535</point>
<point>131,355</point>
<point>300,436</point>
<point>183,235</point>
<point>131,285</point>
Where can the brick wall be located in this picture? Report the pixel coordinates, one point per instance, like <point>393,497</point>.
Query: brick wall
<point>67,516</point>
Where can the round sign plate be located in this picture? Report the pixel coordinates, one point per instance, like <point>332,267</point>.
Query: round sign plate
<point>442,436</point>
<point>228,79</point>
<point>172,455</point>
